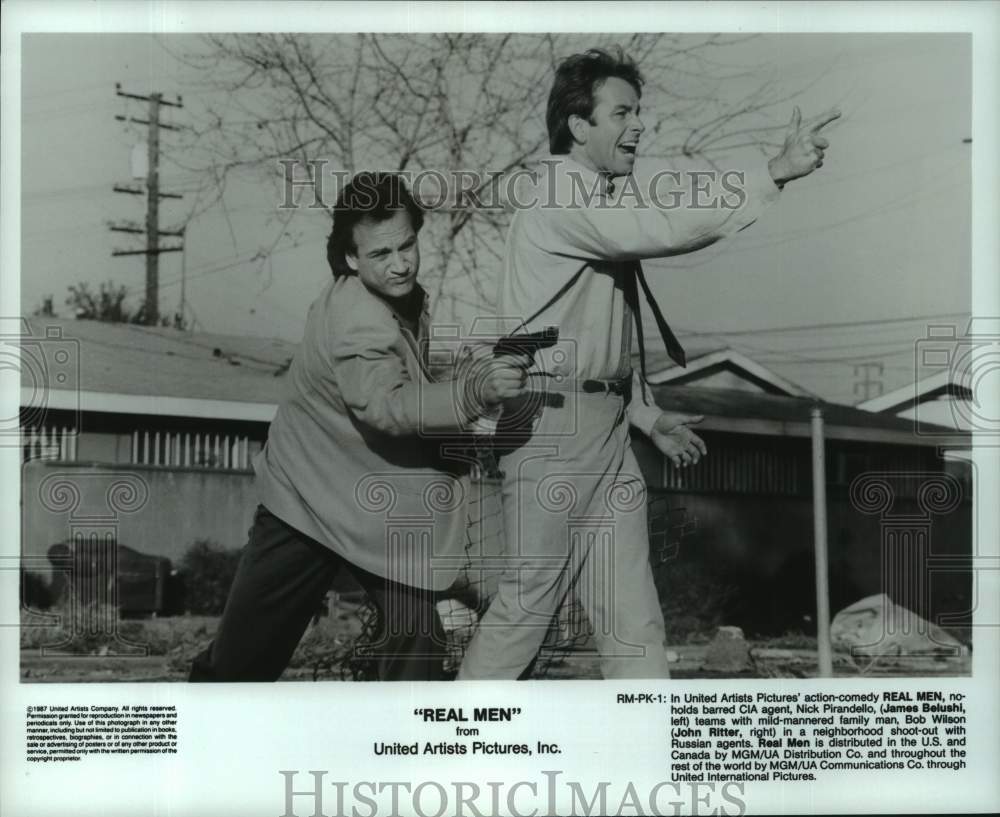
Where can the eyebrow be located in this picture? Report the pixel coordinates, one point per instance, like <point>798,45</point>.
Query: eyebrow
<point>383,250</point>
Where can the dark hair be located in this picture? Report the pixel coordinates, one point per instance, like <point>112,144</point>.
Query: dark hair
<point>374,196</point>
<point>577,79</point>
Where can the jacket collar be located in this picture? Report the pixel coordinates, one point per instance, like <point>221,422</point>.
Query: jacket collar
<point>391,307</point>
<point>424,300</point>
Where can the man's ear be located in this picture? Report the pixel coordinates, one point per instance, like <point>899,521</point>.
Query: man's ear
<point>352,261</point>
<point>578,127</point>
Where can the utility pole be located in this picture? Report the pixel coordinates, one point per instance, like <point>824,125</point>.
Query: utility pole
<point>153,195</point>
<point>153,214</point>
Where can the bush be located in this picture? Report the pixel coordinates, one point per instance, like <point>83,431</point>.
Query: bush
<point>36,594</point>
<point>208,570</point>
<point>694,600</point>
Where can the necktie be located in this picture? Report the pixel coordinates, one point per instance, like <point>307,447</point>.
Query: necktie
<point>632,275</point>
<point>633,278</point>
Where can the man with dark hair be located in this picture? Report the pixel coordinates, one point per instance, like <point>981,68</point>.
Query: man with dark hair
<point>573,495</point>
<point>369,195</point>
<point>574,87</point>
<point>346,479</point>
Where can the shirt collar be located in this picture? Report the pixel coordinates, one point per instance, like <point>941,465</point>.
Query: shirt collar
<point>568,164</point>
<point>424,305</point>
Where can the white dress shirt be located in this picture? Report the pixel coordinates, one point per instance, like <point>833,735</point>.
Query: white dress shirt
<point>564,237</point>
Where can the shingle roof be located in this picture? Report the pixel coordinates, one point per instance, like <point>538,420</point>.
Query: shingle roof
<point>742,405</point>
<point>954,384</point>
<point>695,346</point>
<point>162,362</point>
<point>703,364</point>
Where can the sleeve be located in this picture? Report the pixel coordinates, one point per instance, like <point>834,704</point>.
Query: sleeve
<point>375,386</point>
<point>661,213</point>
<point>642,410</point>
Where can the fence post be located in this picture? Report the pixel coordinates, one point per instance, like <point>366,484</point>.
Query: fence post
<point>825,656</point>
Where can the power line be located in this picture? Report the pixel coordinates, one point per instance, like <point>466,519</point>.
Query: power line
<point>63,192</point>
<point>793,358</point>
<point>871,171</point>
<point>75,89</point>
<point>905,200</point>
<point>891,206</point>
<point>837,325</point>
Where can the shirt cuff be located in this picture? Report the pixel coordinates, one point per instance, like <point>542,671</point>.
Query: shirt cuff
<point>643,417</point>
<point>759,185</point>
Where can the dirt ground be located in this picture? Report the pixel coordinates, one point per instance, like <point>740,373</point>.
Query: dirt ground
<point>168,645</point>
<point>765,662</point>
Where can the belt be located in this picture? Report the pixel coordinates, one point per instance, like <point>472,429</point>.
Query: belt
<point>621,386</point>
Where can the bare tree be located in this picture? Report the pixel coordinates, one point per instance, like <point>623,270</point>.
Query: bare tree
<point>449,102</point>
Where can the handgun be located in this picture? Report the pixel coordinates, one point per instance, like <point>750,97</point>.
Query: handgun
<point>528,343</point>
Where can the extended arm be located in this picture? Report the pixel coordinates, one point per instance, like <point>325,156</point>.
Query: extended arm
<point>376,387</point>
<point>661,219</point>
<point>656,220</point>
<point>374,384</point>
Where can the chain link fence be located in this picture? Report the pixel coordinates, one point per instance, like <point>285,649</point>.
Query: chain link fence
<point>568,649</point>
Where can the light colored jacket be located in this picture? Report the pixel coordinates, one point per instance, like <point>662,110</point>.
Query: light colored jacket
<point>581,247</point>
<point>357,456</point>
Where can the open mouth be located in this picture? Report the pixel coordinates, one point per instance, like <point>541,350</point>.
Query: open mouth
<point>628,148</point>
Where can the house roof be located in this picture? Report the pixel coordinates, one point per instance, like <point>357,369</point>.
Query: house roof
<point>704,363</point>
<point>753,413</point>
<point>659,362</point>
<point>932,387</point>
<point>153,370</point>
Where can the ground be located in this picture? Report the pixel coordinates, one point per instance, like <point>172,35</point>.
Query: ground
<point>172,642</point>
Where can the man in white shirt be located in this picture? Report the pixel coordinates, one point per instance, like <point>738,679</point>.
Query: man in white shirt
<point>574,498</point>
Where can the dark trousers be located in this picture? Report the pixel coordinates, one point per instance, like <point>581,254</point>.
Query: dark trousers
<point>280,581</point>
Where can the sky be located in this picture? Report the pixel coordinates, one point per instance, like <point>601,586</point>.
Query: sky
<point>849,267</point>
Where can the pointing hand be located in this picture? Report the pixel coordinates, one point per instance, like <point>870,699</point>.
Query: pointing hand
<point>803,150</point>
